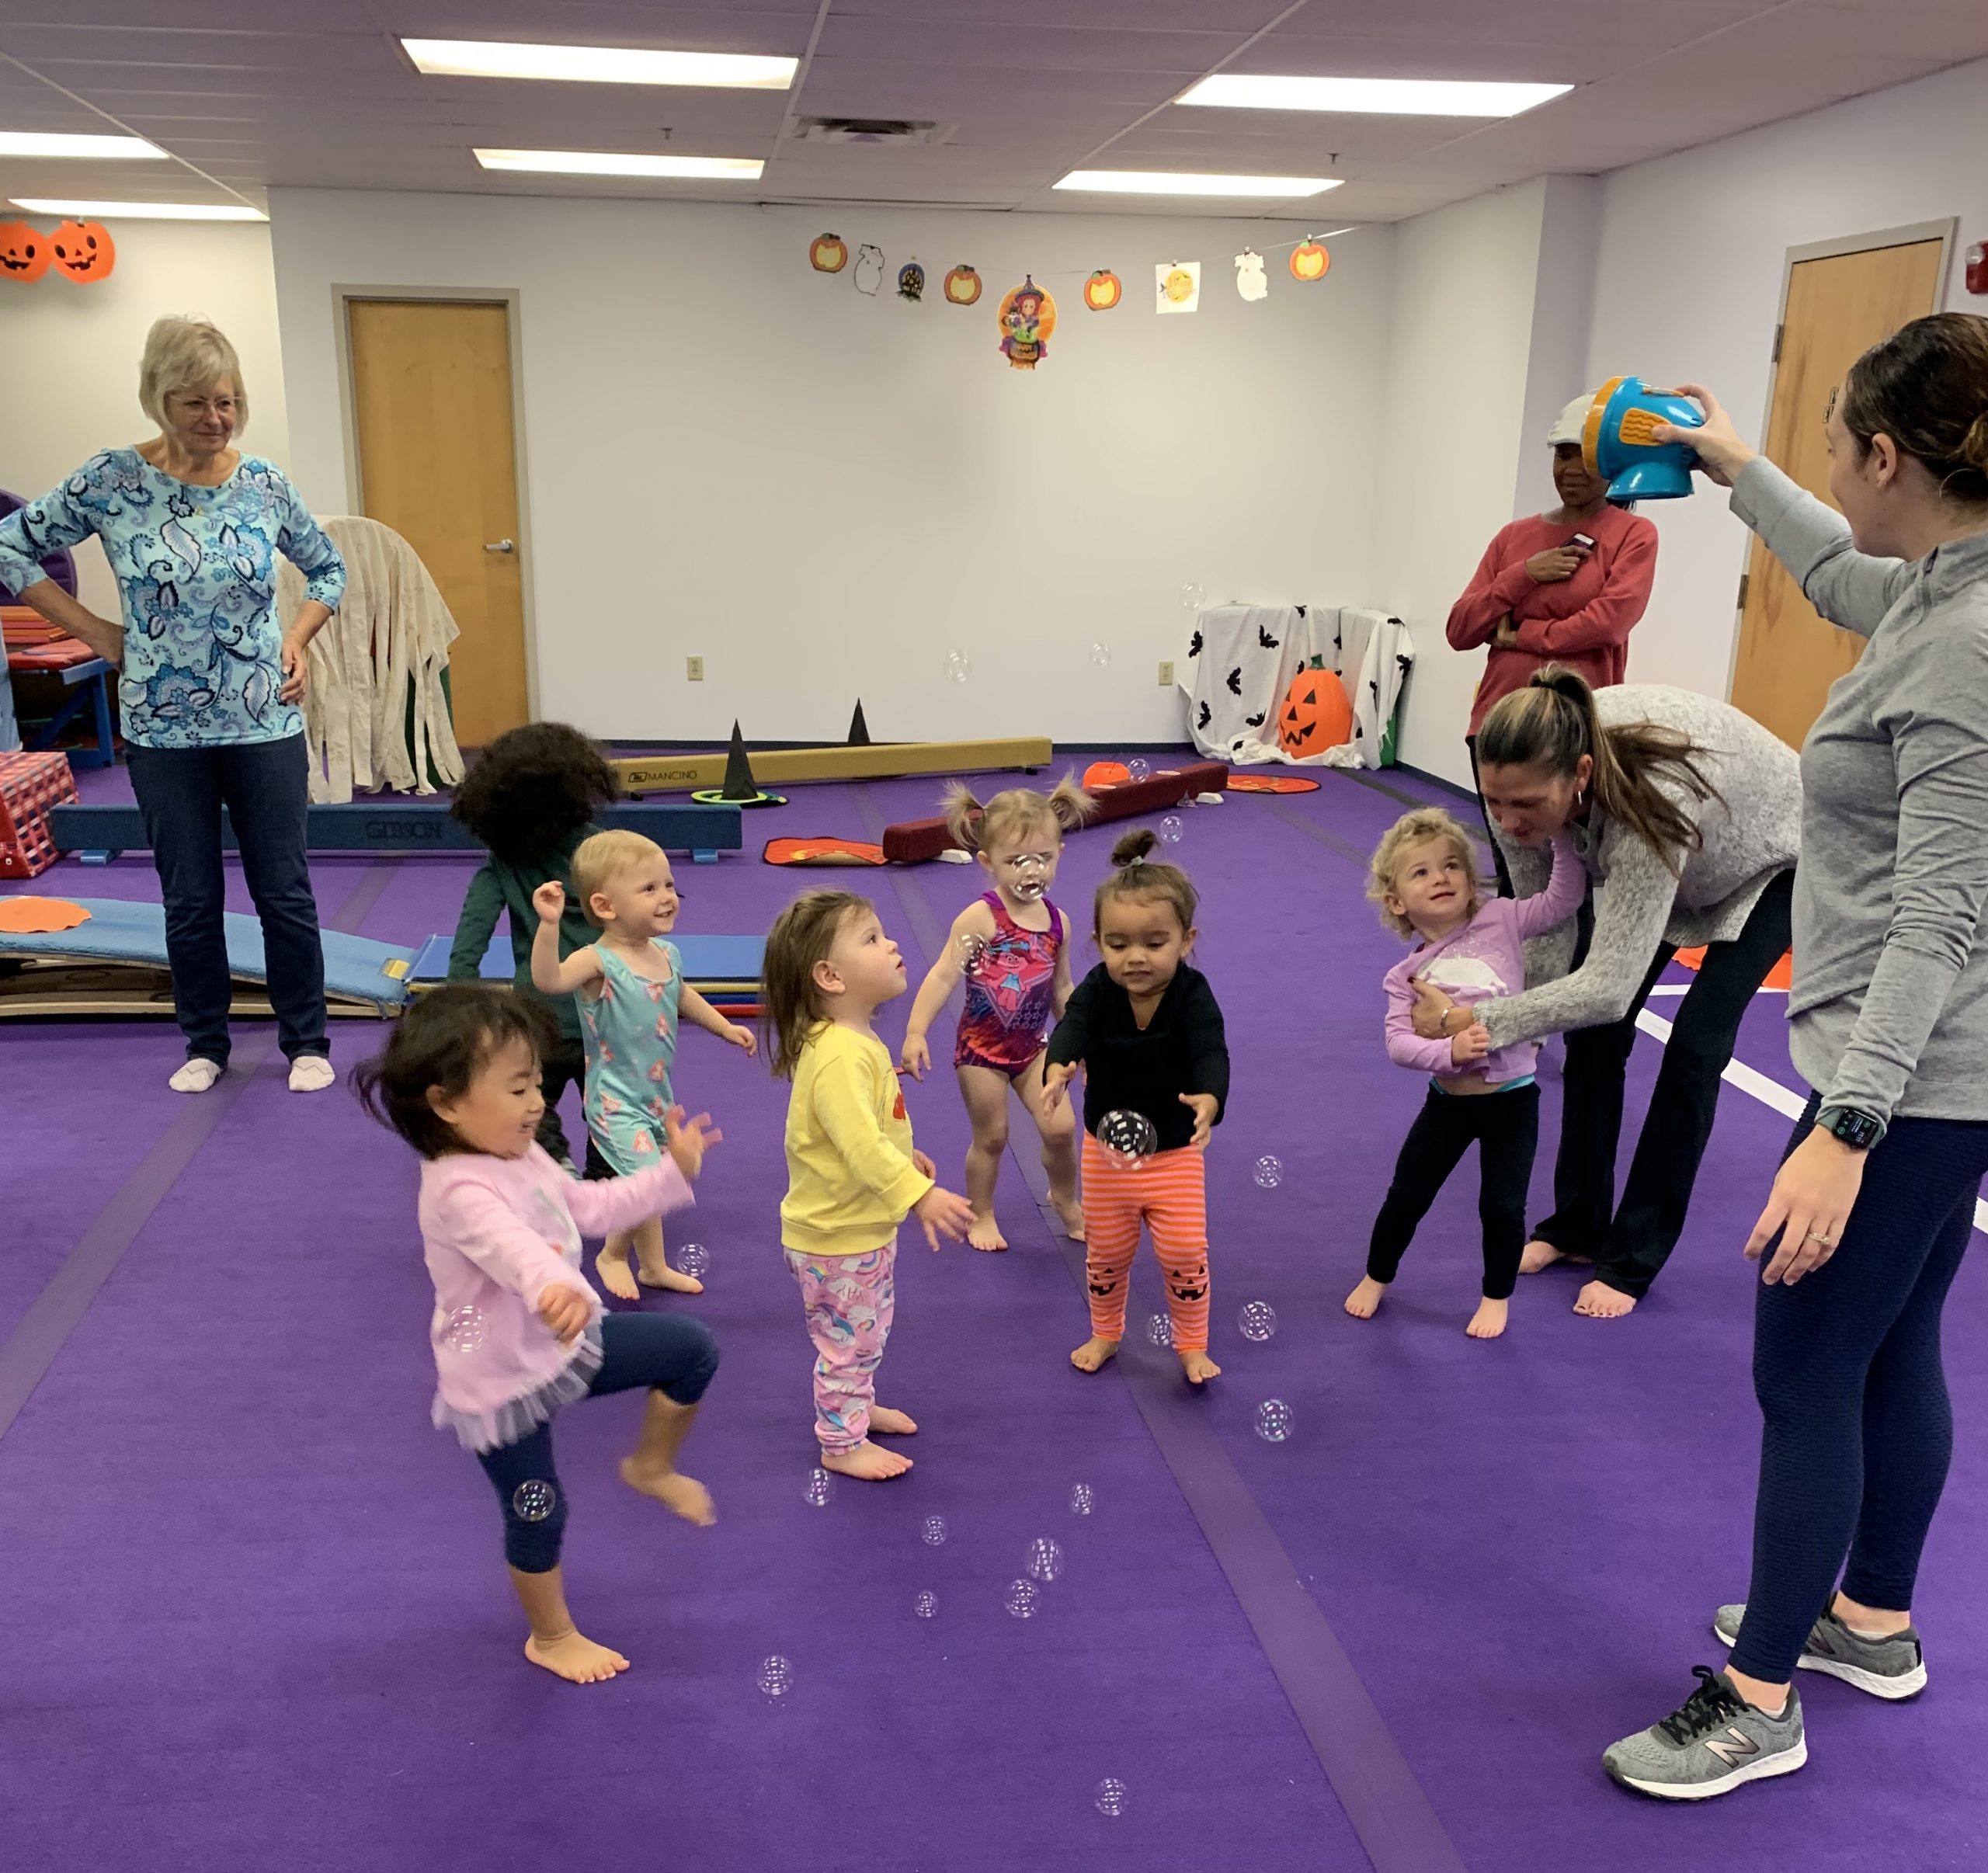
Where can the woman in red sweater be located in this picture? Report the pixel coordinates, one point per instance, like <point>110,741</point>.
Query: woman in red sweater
<point>1565,587</point>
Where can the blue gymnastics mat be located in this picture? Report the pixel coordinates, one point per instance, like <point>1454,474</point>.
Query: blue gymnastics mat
<point>708,961</point>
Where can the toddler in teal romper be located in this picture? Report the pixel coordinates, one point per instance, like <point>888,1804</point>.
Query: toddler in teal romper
<point>630,1029</point>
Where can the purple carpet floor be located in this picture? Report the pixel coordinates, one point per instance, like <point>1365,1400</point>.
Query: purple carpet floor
<point>258,1614</point>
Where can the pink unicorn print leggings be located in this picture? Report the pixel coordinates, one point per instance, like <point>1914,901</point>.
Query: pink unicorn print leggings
<point>849,1300</point>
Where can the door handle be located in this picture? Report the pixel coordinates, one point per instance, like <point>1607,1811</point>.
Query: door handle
<point>500,546</point>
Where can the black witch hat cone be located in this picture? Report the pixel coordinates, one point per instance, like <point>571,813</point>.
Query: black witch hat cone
<point>859,730</point>
<point>740,789</point>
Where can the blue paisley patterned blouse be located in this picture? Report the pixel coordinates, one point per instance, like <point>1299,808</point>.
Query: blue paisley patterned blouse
<point>196,566</point>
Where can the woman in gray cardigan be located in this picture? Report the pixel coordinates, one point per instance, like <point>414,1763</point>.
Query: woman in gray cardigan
<point>1686,815</point>
<point>1874,1206</point>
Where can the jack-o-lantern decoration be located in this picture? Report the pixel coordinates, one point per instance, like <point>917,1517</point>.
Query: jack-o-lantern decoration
<point>829,254</point>
<point>24,253</point>
<point>1316,714</point>
<point>83,251</point>
<point>1106,774</point>
<point>1309,261</point>
<point>1102,291</point>
<point>963,285</point>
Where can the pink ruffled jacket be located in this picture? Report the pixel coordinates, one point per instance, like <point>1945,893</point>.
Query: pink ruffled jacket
<point>497,1233</point>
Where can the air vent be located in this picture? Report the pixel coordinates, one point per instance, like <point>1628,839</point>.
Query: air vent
<point>870,130</point>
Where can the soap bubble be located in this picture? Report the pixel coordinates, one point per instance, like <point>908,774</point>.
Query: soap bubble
<point>1045,1558</point>
<point>968,947</point>
<point>1273,1420</point>
<point>1269,1172</point>
<point>1110,1796</point>
<point>1100,655</point>
<point>694,1258</point>
<point>1139,767</point>
<point>1193,596</point>
<point>776,1676</point>
<point>925,1605</point>
<point>533,1501</point>
<point>1020,1599</point>
<point>1170,829</point>
<point>933,1530</point>
<point>1258,1321</point>
<point>821,1488</point>
<point>1081,1500</point>
<point>1160,1330</point>
<point>463,1330</point>
<point>1128,1138</point>
<point>959,665</point>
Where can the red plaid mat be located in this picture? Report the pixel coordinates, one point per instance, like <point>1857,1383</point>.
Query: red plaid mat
<point>29,785</point>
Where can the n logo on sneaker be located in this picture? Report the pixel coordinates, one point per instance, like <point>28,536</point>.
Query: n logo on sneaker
<point>1734,1747</point>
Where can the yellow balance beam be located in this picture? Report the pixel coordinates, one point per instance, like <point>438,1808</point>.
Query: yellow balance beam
<point>880,761</point>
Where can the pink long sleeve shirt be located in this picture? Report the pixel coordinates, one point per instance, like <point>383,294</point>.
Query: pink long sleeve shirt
<point>497,1233</point>
<point>1484,959</point>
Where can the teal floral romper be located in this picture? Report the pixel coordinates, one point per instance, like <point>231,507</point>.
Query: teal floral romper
<point>630,1030</point>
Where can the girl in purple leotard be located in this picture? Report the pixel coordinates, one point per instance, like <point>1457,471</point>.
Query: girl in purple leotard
<point>1010,947</point>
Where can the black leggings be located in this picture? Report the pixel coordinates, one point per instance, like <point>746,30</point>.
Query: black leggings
<point>1858,1427</point>
<point>670,1353</point>
<point>1629,1250</point>
<point>1506,1128</point>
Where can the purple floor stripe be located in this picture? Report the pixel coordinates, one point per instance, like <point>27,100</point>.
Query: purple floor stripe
<point>31,1349</point>
<point>1400,1830</point>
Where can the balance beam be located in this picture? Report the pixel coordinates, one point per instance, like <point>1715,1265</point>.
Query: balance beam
<point>98,834</point>
<point>875,761</point>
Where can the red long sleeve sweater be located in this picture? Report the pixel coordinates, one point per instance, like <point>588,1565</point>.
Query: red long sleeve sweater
<point>1583,622</point>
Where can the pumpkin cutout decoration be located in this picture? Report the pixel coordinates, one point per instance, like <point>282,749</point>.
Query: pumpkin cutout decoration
<point>83,251</point>
<point>829,254</point>
<point>1309,261</point>
<point>963,286</point>
<point>24,253</point>
<point>1102,291</point>
<point>1315,714</point>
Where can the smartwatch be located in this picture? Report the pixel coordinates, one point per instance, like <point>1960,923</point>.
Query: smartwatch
<point>1859,1131</point>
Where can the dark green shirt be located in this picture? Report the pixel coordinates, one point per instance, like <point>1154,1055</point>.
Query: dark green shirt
<point>498,888</point>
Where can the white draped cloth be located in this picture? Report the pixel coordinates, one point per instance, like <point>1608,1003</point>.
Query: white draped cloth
<point>389,638</point>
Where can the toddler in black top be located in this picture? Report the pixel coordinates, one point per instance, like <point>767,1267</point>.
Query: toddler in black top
<point>1147,1030</point>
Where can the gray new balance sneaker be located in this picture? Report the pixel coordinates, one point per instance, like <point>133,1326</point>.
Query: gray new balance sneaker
<point>1892,1668</point>
<point>1709,1745</point>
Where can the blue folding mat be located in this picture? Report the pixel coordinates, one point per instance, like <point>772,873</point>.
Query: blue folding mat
<point>725,970</point>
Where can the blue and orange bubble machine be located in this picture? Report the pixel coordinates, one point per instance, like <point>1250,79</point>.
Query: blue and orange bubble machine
<point>1618,442</point>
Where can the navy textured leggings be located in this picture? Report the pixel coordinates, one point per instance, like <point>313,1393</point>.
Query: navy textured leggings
<point>671,1353</point>
<point>1847,1368</point>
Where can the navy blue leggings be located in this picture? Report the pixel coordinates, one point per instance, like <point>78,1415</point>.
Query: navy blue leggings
<point>670,1353</point>
<point>1847,1368</point>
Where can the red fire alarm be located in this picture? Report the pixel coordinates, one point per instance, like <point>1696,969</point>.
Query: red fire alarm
<point>1977,267</point>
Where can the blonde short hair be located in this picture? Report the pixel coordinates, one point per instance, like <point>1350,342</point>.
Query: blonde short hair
<point>184,354</point>
<point>603,858</point>
<point>1418,829</point>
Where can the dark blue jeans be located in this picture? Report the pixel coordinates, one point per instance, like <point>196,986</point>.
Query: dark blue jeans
<point>265,787</point>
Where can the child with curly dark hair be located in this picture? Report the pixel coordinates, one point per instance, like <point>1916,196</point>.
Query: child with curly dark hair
<point>530,798</point>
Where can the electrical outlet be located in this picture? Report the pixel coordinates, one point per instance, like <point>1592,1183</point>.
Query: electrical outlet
<point>693,669</point>
<point>1166,675</point>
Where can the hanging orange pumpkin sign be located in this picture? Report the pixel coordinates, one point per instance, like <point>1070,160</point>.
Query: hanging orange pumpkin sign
<point>1309,261</point>
<point>1102,291</point>
<point>963,285</point>
<point>829,254</point>
<point>83,250</point>
<point>24,253</point>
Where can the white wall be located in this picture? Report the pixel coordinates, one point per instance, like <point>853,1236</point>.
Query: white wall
<point>822,494</point>
<point>72,355</point>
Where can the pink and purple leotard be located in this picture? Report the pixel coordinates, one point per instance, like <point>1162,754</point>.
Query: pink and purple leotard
<point>1010,990</point>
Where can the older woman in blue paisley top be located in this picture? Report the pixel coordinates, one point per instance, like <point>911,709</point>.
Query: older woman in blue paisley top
<point>210,682</point>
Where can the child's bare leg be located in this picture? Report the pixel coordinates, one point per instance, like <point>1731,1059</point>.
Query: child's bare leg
<point>1365,1298</point>
<point>613,1268</point>
<point>652,1469</point>
<point>556,1642</point>
<point>985,1093</point>
<point>1488,1321</point>
<point>1059,1147</point>
<point>651,1270</point>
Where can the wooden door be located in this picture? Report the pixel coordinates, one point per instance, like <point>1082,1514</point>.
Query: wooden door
<point>1837,308</point>
<point>437,463</point>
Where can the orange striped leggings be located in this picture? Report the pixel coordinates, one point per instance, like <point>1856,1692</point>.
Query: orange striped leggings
<point>1168,1195</point>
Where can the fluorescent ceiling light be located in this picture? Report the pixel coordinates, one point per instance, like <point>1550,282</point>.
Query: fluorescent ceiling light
<point>63,143</point>
<point>1387,97</point>
<point>1160,182</point>
<point>611,162</point>
<point>599,64</point>
<point>144,211</point>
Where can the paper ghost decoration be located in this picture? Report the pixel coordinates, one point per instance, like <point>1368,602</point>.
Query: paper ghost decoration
<point>1250,281</point>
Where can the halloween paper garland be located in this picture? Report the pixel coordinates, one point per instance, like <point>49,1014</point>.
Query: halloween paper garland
<point>1027,317</point>
<point>1176,286</point>
<point>963,286</point>
<point>827,253</point>
<point>81,251</point>
<point>1251,282</point>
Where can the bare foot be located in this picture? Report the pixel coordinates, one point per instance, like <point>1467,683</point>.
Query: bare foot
<point>867,1461</point>
<point>1539,1255</point>
<point>1599,1301</point>
<point>1365,1298</point>
<point>1488,1321</point>
<point>1198,1367</point>
<point>1071,1215</point>
<point>1092,1353</point>
<point>575,1659</point>
<point>662,1275</point>
<point>888,1423</point>
<point>681,1495</point>
<point>985,1233</point>
<point>615,1276</point>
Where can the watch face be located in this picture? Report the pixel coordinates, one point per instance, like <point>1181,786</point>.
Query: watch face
<point>1858,1129</point>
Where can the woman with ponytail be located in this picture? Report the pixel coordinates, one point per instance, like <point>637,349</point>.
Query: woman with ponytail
<point>1874,1206</point>
<point>1686,814</point>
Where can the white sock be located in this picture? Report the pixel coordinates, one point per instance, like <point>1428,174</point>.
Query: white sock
<point>310,1073</point>
<point>195,1076</point>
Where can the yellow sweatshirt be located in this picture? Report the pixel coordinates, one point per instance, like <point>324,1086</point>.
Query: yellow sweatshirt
<point>850,1180</point>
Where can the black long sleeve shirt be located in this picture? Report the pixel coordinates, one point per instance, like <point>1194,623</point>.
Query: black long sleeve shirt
<point>1131,1069</point>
